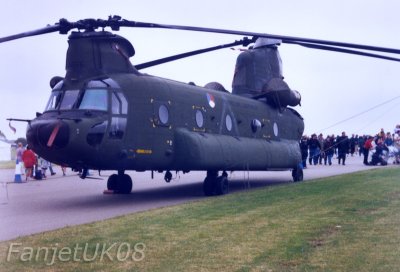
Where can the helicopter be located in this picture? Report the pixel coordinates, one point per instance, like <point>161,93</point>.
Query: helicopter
<point>104,114</point>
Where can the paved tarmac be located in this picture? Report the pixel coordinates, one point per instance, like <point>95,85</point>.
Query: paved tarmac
<point>39,206</point>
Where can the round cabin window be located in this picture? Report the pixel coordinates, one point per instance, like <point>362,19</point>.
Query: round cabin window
<point>228,122</point>
<point>276,131</point>
<point>199,119</point>
<point>163,114</point>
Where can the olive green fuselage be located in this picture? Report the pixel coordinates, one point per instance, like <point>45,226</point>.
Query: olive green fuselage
<point>106,115</point>
<point>174,126</point>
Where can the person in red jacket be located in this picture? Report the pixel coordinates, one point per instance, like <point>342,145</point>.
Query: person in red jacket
<point>367,147</point>
<point>29,159</point>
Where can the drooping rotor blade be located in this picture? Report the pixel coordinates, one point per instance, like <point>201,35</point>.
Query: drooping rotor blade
<point>115,22</point>
<point>245,41</point>
<point>285,39</point>
<point>63,27</point>
<point>45,30</point>
<point>343,50</point>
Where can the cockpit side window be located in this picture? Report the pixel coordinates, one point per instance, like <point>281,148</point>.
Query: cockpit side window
<point>124,103</point>
<point>69,99</point>
<point>119,109</point>
<point>115,104</point>
<point>94,99</point>
<point>54,100</point>
<point>119,105</point>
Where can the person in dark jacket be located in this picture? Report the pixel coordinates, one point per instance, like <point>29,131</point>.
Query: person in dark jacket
<point>353,143</point>
<point>304,150</point>
<point>343,146</point>
<point>321,144</point>
<point>314,148</point>
<point>361,143</point>
<point>328,150</point>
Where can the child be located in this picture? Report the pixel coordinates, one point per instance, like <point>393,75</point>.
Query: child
<point>44,165</point>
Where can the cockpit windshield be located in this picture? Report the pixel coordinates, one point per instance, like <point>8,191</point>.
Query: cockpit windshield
<point>89,99</point>
<point>69,99</point>
<point>54,101</point>
<point>94,99</point>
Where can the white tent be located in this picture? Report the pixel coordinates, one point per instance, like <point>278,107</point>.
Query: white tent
<point>5,151</point>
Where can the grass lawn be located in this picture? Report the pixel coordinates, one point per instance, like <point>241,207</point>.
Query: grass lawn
<point>343,223</point>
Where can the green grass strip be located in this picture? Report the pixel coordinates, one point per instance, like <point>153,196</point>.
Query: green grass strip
<point>343,223</point>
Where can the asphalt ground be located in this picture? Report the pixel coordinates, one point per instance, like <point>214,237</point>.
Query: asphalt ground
<point>59,201</point>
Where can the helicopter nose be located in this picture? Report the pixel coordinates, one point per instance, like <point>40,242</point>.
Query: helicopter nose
<point>49,134</point>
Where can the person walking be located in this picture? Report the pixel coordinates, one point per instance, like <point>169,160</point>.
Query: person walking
<point>20,150</point>
<point>304,150</point>
<point>51,169</point>
<point>343,145</point>
<point>353,142</point>
<point>367,148</point>
<point>314,148</point>
<point>328,146</point>
<point>44,165</point>
<point>361,143</point>
<point>29,159</point>
<point>321,141</point>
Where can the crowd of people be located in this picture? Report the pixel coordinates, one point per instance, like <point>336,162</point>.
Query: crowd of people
<point>375,150</point>
<point>33,166</point>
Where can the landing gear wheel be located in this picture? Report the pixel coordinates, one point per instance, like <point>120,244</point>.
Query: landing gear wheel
<point>297,174</point>
<point>168,176</point>
<point>216,185</point>
<point>112,182</point>
<point>208,186</point>
<point>120,184</point>
<point>125,184</point>
<point>222,185</point>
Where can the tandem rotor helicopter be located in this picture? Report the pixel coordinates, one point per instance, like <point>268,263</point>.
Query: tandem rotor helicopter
<point>106,115</point>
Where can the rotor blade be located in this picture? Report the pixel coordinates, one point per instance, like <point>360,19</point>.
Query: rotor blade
<point>285,39</point>
<point>244,41</point>
<point>45,30</point>
<point>343,50</point>
<point>19,120</point>
<point>115,22</point>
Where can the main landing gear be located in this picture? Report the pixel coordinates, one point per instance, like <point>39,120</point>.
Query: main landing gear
<point>297,174</point>
<point>120,184</point>
<point>216,185</point>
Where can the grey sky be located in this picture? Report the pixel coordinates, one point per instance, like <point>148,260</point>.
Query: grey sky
<point>334,86</point>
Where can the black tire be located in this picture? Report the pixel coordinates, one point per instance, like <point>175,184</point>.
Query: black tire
<point>112,182</point>
<point>125,184</point>
<point>297,174</point>
<point>222,185</point>
<point>209,186</point>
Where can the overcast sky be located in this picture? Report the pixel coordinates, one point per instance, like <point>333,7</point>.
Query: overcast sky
<point>334,86</point>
